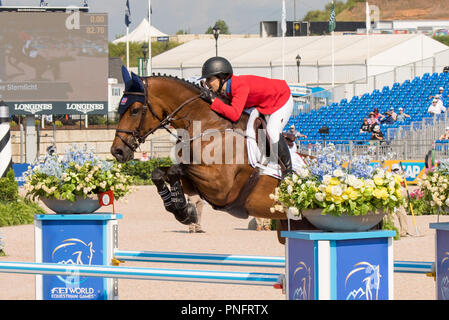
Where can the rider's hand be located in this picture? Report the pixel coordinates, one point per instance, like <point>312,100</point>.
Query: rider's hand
<point>207,95</point>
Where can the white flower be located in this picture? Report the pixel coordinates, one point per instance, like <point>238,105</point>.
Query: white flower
<point>319,196</point>
<point>272,210</point>
<point>293,213</point>
<point>336,190</point>
<point>327,179</point>
<point>338,173</point>
<point>294,178</point>
<point>303,173</point>
<point>289,189</point>
<point>369,183</point>
<point>322,187</point>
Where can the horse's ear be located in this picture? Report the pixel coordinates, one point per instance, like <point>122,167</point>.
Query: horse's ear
<point>137,82</point>
<point>125,75</point>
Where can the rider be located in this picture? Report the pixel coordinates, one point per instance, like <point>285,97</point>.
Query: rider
<point>271,97</point>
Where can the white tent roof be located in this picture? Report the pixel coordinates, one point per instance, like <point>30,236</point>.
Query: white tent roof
<point>391,50</point>
<point>141,33</point>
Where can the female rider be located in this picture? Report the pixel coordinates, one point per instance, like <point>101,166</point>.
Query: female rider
<point>271,97</point>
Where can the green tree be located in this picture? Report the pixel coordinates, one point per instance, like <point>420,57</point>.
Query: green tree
<point>222,25</point>
<point>135,50</point>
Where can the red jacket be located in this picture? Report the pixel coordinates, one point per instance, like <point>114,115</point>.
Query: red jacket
<point>268,95</point>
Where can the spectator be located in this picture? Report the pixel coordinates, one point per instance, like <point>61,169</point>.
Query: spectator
<point>365,127</point>
<point>144,157</point>
<point>445,136</point>
<point>441,94</point>
<point>401,116</point>
<point>393,114</point>
<point>263,223</point>
<point>378,115</point>
<point>377,135</point>
<point>296,133</point>
<point>198,203</point>
<point>388,119</point>
<point>372,120</point>
<point>434,108</point>
<point>290,138</point>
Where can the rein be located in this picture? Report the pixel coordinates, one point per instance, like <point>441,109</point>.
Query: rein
<point>138,139</point>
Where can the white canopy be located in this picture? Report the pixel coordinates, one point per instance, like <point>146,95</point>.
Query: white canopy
<point>263,56</point>
<point>141,33</point>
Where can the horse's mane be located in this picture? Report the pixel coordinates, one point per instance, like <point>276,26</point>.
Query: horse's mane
<point>191,85</point>
<point>183,81</point>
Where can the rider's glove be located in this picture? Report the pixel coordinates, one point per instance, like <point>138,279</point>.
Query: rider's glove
<point>207,95</point>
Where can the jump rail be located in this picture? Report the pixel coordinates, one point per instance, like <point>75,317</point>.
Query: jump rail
<point>245,278</point>
<point>243,260</point>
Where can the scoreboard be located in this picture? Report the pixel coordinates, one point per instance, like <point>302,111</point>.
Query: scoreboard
<point>54,62</point>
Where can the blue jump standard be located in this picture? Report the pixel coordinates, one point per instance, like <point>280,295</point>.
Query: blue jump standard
<point>441,259</point>
<point>70,239</point>
<point>339,265</point>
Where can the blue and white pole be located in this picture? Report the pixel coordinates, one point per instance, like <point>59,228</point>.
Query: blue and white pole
<point>5,140</point>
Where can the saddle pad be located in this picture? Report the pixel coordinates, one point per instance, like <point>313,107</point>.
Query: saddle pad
<point>257,159</point>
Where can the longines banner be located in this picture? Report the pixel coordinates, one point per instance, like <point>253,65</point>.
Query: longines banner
<point>58,107</point>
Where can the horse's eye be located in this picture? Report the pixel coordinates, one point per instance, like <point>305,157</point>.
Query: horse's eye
<point>135,111</point>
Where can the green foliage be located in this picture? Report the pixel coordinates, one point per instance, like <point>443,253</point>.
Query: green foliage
<point>388,224</point>
<point>18,212</point>
<point>323,15</point>
<point>220,24</point>
<point>9,190</point>
<point>14,209</point>
<point>141,171</point>
<point>442,39</point>
<point>135,50</point>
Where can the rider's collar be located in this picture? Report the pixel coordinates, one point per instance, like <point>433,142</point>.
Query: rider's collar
<point>228,87</point>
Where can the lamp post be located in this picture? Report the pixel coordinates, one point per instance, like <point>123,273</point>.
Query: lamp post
<point>216,31</point>
<point>145,52</point>
<point>298,63</point>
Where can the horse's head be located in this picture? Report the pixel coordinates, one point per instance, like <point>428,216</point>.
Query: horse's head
<point>138,118</point>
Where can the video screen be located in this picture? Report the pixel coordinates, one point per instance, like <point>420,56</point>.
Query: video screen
<point>54,62</point>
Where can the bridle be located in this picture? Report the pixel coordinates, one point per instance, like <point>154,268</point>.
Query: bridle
<point>163,123</point>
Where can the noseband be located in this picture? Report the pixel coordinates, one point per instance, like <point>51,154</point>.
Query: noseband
<point>138,139</point>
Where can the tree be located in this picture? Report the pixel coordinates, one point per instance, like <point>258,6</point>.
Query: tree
<point>222,25</point>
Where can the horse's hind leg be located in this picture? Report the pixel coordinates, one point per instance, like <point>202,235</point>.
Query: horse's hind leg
<point>174,200</point>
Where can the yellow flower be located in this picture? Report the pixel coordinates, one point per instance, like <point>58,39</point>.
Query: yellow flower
<point>378,181</point>
<point>354,195</point>
<point>334,181</point>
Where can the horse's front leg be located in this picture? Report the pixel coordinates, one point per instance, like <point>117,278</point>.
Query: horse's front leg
<point>174,200</point>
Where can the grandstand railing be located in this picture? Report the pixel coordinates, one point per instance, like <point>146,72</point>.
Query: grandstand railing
<point>380,151</point>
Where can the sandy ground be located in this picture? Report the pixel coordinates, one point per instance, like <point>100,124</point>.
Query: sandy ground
<point>147,226</point>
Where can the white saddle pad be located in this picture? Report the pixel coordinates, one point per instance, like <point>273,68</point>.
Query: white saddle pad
<point>257,159</point>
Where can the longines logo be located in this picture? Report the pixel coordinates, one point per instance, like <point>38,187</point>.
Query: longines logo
<point>33,107</point>
<point>85,107</point>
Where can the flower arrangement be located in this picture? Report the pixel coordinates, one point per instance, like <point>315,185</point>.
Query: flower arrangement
<point>78,173</point>
<point>434,186</point>
<point>331,183</point>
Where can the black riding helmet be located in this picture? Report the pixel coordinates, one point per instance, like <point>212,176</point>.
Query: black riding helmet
<point>216,66</point>
<point>219,67</point>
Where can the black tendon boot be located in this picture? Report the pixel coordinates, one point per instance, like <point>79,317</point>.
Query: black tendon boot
<point>284,156</point>
<point>185,212</point>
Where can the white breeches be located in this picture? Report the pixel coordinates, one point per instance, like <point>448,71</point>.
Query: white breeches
<point>278,120</point>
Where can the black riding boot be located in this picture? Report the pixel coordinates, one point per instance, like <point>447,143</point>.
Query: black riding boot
<point>284,155</point>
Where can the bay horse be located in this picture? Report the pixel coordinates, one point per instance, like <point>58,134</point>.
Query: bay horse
<point>235,188</point>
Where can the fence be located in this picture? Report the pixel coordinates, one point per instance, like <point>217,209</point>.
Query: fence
<point>394,149</point>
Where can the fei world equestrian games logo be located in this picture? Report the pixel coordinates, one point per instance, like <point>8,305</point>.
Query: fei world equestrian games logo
<point>365,282</point>
<point>73,251</point>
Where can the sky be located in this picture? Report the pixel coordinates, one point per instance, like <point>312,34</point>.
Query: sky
<point>194,16</point>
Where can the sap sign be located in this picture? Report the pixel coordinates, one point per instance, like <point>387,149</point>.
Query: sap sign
<point>413,169</point>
